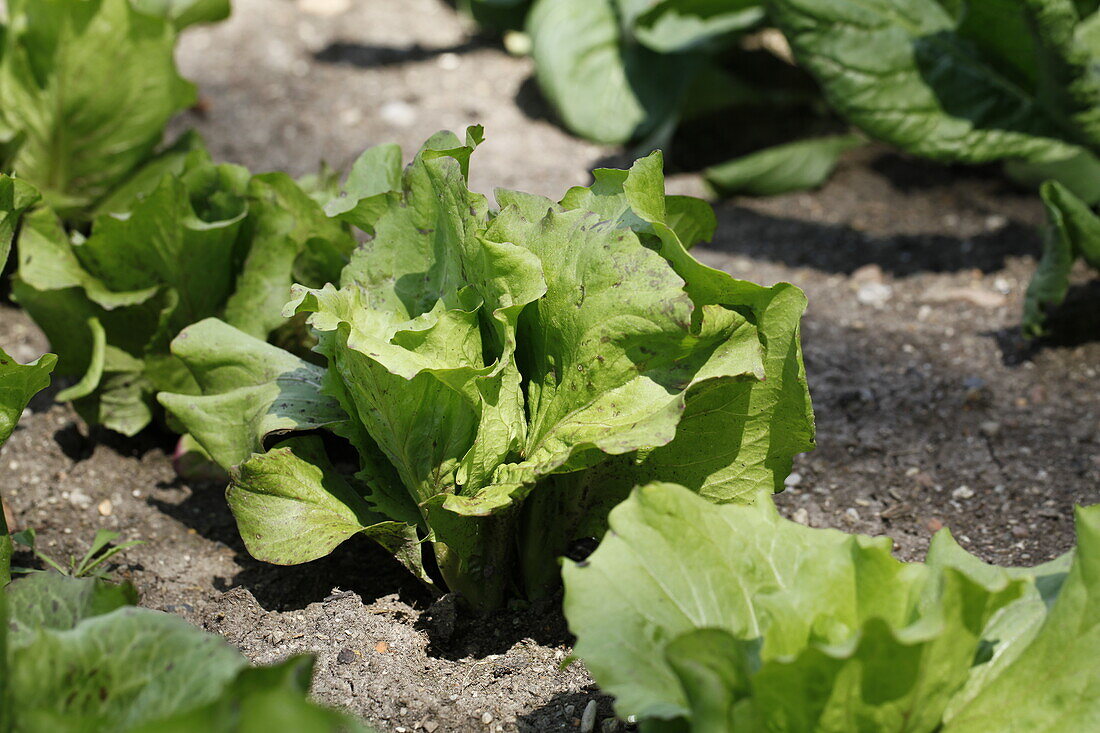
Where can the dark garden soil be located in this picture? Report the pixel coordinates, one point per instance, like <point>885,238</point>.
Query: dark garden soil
<point>930,411</point>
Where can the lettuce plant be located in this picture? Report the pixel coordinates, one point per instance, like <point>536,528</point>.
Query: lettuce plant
<point>194,240</point>
<point>75,654</point>
<point>957,81</point>
<point>732,618</point>
<point>1072,234</point>
<point>18,383</point>
<point>619,70</point>
<point>973,82</point>
<point>88,87</point>
<point>505,377</point>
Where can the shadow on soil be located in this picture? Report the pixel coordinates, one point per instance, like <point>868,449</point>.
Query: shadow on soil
<point>554,716</point>
<point>371,56</point>
<point>455,633</point>
<point>1072,324</point>
<point>842,249</point>
<point>78,444</point>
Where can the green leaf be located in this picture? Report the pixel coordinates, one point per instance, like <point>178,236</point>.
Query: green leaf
<point>1072,232</point>
<point>672,26</point>
<point>291,241</point>
<point>809,629</point>
<point>16,196</point>
<point>692,219</point>
<point>794,166</point>
<point>999,80</point>
<point>293,506</point>
<point>250,389</point>
<point>56,602</point>
<point>761,424</point>
<point>111,303</point>
<point>1053,684</point>
<point>605,86</point>
<point>183,13</point>
<point>117,671</point>
<point>372,186</point>
<point>202,241</point>
<point>18,383</point>
<point>88,87</point>
<point>78,656</point>
<point>262,699</point>
<point>187,153</point>
<point>609,355</point>
<point>710,666</point>
<point>1079,173</point>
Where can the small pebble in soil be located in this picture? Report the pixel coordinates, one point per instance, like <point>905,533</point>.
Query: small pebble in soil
<point>347,656</point>
<point>874,294</point>
<point>588,718</point>
<point>486,718</point>
<point>990,428</point>
<point>793,480</point>
<point>79,499</point>
<point>963,492</point>
<point>398,114</point>
<point>801,515</point>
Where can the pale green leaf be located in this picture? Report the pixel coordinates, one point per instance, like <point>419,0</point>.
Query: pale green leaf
<point>796,166</point>
<point>51,601</point>
<point>292,506</point>
<point>822,631</point>
<point>117,671</point>
<point>1053,684</point>
<point>249,390</point>
<point>183,13</point>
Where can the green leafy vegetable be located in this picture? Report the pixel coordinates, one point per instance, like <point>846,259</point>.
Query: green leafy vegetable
<point>733,618</point>
<point>1072,233</point>
<point>78,656</point>
<point>183,13</point>
<point>100,551</point>
<point>995,80</point>
<point>605,86</point>
<point>504,377</point>
<point>194,240</point>
<point>88,87</point>
<point>15,198</point>
<point>18,383</point>
<point>973,82</point>
<point>792,167</point>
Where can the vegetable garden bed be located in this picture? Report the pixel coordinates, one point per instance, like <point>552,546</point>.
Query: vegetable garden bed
<point>930,411</point>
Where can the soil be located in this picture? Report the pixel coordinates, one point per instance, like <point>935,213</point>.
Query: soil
<point>931,411</point>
